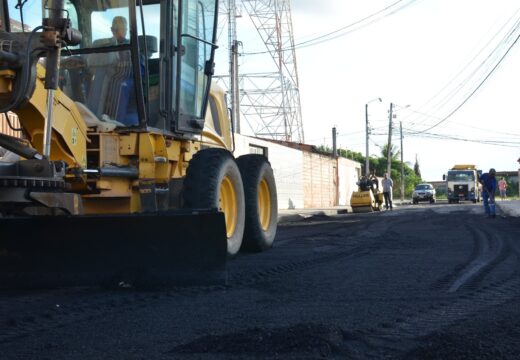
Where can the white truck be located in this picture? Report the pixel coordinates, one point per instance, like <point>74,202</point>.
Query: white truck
<point>462,183</point>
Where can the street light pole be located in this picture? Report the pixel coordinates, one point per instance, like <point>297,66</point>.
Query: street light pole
<point>367,163</point>
<point>402,166</point>
<point>367,129</point>
<point>389,149</point>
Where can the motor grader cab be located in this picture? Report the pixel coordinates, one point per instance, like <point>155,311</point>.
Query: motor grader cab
<point>369,197</point>
<point>119,168</point>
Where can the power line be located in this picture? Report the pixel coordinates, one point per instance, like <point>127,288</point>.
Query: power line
<point>449,96</point>
<point>326,37</point>
<point>474,91</point>
<point>512,144</point>
<point>466,126</point>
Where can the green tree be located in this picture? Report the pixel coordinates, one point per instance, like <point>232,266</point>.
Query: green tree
<point>379,165</point>
<point>416,167</point>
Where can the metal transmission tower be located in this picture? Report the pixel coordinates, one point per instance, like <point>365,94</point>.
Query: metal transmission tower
<point>267,100</point>
<point>227,19</point>
<point>270,101</point>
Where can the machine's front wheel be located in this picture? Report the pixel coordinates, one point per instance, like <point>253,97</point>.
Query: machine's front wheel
<point>261,202</point>
<point>213,181</point>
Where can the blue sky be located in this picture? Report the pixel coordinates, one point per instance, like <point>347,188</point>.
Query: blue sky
<point>422,56</point>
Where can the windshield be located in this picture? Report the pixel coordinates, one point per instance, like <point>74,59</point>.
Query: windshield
<point>461,176</point>
<point>100,74</point>
<point>423,187</point>
<point>101,83</point>
<point>197,36</point>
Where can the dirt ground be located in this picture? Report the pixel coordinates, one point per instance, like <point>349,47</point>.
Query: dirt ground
<point>419,282</point>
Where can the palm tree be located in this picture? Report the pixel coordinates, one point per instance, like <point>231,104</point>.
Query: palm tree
<point>395,152</point>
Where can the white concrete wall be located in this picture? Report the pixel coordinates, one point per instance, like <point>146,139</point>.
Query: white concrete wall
<point>291,170</point>
<point>320,180</point>
<point>287,164</point>
<point>348,173</point>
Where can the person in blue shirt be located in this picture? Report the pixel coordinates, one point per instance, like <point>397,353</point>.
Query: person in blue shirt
<point>489,187</point>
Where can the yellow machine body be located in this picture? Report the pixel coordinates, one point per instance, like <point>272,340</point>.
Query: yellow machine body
<point>127,157</point>
<point>368,198</point>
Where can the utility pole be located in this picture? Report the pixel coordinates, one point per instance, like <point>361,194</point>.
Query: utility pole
<point>367,163</point>
<point>389,150</point>
<point>402,165</point>
<point>235,87</point>
<point>334,147</point>
<point>367,128</point>
<point>233,66</point>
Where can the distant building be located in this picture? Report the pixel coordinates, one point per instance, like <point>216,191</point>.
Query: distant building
<point>511,176</point>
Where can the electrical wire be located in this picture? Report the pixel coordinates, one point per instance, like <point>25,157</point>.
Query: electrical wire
<point>466,126</point>
<point>474,90</point>
<point>488,63</point>
<point>449,96</point>
<point>339,32</point>
<point>512,144</point>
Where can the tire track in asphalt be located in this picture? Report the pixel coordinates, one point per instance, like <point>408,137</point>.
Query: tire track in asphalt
<point>489,247</point>
<point>401,336</point>
<point>490,250</point>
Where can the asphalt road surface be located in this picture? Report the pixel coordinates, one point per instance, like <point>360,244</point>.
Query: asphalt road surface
<point>420,282</point>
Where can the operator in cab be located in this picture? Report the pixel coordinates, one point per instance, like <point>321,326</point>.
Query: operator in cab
<point>119,29</point>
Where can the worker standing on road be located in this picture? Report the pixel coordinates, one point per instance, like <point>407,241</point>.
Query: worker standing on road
<point>489,187</point>
<point>502,187</point>
<point>387,190</point>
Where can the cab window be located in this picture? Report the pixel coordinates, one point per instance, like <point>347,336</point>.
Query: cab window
<point>26,17</point>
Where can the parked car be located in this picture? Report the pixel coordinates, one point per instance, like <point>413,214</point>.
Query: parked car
<point>424,192</point>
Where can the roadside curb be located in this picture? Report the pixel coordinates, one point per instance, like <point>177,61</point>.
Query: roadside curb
<point>509,207</point>
<point>295,215</point>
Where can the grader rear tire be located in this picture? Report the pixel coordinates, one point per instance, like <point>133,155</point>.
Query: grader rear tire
<point>213,181</point>
<point>261,202</point>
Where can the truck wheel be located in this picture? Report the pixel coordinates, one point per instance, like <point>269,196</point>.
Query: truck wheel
<point>261,202</point>
<point>213,181</point>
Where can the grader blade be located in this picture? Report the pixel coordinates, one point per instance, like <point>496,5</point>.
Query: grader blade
<point>175,247</point>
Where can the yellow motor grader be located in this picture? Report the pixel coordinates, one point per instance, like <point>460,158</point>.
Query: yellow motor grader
<point>126,163</point>
<point>369,197</point>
